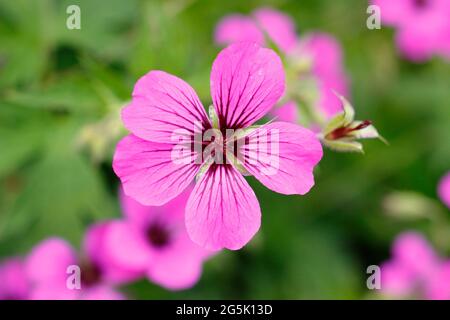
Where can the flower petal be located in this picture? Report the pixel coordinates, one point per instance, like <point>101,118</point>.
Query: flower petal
<point>151,172</point>
<point>444,189</point>
<point>13,279</point>
<point>279,27</point>
<point>326,54</point>
<point>163,104</point>
<point>180,266</point>
<point>102,292</point>
<point>126,246</point>
<point>286,113</point>
<point>48,261</point>
<point>237,28</point>
<point>438,288</point>
<point>282,156</point>
<point>222,211</point>
<point>394,13</point>
<point>98,251</point>
<point>171,213</point>
<point>396,281</point>
<point>48,291</point>
<point>414,252</point>
<point>246,81</point>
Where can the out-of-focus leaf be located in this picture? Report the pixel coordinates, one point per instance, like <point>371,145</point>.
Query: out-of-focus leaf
<point>63,193</point>
<point>21,135</point>
<point>24,39</point>
<point>72,93</point>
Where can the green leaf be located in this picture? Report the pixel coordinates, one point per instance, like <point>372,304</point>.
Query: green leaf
<point>63,193</point>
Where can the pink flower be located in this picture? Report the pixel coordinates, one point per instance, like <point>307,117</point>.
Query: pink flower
<point>444,189</point>
<point>13,281</point>
<point>423,26</point>
<point>47,270</point>
<point>326,57</point>
<point>153,241</point>
<point>222,210</point>
<point>321,49</point>
<point>265,21</point>
<point>439,285</point>
<point>415,269</point>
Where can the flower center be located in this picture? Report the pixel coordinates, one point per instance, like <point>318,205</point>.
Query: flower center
<point>158,235</point>
<point>420,4</point>
<point>90,273</point>
<point>344,131</point>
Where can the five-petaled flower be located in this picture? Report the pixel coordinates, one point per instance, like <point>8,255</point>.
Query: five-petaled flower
<point>222,210</point>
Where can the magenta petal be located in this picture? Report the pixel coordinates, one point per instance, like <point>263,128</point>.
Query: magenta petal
<point>396,280</point>
<point>134,211</point>
<point>172,212</point>
<point>395,12</point>
<point>13,280</point>
<point>286,113</point>
<point>97,250</point>
<point>179,266</point>
<point>237,28</point>
<point>444,189</point>
<point>246,81</point>
<point>222,211</point>
<point>414,252</point>
<point>326,55</point>
<point>279,27</point>
<point>102,292</point>
<point>150,173</point>
<point>126,246</point>
<point>282,156</point>
<point>161,105</point>
<point>438,287</point>
<point>48,261</point>
<point>50,291</point>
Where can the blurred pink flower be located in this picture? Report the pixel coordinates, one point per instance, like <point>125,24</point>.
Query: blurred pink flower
<point>439,285</point>
<point>47,270</point>
<point>326,57</point>
<point>423,26</point>
<point>287,112</point>
<point>321,49</point>
<point>222,210</point>
<point>415,269</point>
<point>153,241</point>
<point>13,280</point>
<point>444,189</point>
<point>279,28</point>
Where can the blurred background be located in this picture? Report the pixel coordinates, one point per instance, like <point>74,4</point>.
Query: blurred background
<point>61,91</point>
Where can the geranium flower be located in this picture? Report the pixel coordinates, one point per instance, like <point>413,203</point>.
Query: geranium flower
<point>13,280</point>
<point>222,210</point>
<point>444,189</point>
<point>415,270</point>
<point>47,270</point>
<point>314,54</point>
<point>423,26</point>
<point>153,241</point>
